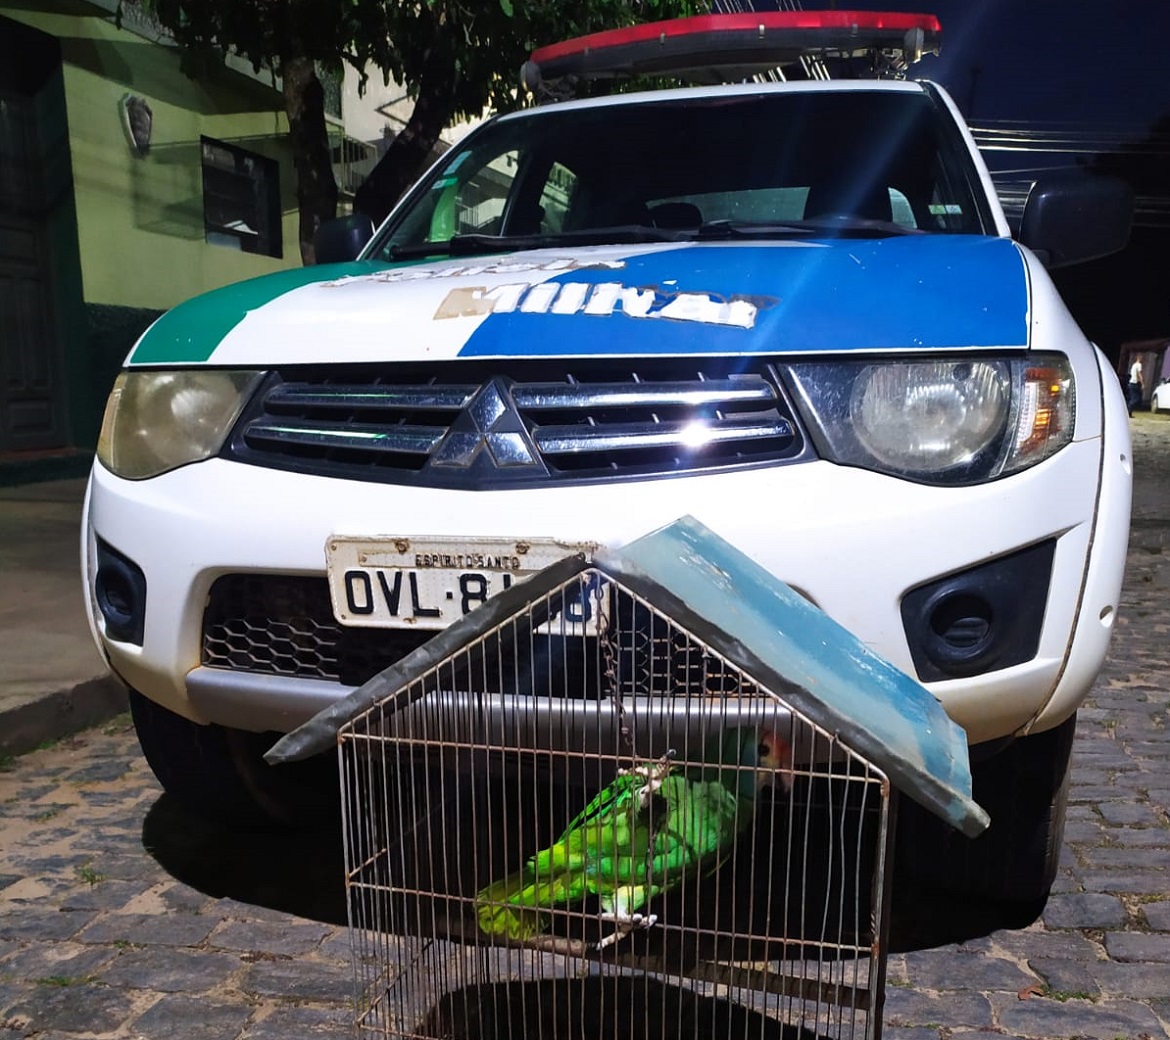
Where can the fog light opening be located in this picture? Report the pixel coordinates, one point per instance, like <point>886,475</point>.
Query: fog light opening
<point>962,622</point>
<point>985,618</point>
<point>115,596</point>
<point>120,592</point>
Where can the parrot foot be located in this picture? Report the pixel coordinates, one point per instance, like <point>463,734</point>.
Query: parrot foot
<point>624,924</point>
<point>653,773</point>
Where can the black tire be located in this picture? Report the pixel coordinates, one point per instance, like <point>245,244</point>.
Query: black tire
<point>1024,789</point>
<point>220,773</point>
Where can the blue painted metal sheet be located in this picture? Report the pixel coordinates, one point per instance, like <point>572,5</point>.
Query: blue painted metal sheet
<point>785,643</point>
<point>907,293</point>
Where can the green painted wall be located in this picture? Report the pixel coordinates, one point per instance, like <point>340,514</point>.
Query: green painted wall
<point>126,231</point>
<point>140,219</point>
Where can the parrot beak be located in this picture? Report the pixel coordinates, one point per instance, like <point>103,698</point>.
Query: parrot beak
<point>775,759</point>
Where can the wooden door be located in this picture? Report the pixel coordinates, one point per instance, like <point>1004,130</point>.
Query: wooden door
<point>31,395</point>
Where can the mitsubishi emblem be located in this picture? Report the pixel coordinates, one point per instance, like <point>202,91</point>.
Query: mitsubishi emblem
<point>489,426</point>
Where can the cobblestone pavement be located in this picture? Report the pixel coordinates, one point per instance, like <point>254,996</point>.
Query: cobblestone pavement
<point>122,918</point>
<point>1097,964</point>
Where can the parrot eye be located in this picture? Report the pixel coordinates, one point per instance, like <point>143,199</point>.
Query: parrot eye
<point>763,749</point>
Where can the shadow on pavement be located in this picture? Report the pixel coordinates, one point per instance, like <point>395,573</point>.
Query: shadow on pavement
<point>296,872</point>
<point>303,873</point>
<point>923,919</point>
<point>585,1009</point>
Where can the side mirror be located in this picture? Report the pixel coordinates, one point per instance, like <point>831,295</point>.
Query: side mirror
<point>1071,217</point>
<point>342,239</point>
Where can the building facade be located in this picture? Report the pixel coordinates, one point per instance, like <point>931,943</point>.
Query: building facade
<point>129,181</point>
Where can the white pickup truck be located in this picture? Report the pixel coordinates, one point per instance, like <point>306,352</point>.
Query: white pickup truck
<point>794,310</point>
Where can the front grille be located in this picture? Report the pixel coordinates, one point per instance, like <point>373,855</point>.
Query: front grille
<point>274,624</point>
<point>284,625</point>
<point>463,424</point>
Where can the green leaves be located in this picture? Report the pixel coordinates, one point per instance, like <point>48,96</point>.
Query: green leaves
<point>456,58</point>
<point>483,44</point>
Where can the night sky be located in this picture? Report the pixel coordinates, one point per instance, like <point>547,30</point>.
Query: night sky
<point>1083,61</point>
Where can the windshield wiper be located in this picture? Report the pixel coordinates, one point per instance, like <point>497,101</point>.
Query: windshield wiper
<point>475,245</point>
<point>722,229</point>
<point>844,226</point>
<point>628,234</point>
<point>838,227</point>
<point>467,245</point>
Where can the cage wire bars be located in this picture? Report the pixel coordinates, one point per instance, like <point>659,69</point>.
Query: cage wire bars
<point>645,792</point>
<point>457,782</point>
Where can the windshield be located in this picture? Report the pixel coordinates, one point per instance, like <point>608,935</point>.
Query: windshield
<point>724,165</point>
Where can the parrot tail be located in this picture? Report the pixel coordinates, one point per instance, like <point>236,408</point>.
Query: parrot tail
<point>509,908</point>
<point>500,908</point>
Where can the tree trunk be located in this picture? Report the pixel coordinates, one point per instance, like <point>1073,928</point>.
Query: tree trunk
<point>408,153</point>
<point>304,104</point>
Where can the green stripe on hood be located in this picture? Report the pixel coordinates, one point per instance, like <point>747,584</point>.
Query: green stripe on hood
<point>190,332</point>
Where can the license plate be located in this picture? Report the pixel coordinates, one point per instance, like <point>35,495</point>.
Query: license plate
<point>429,582</point>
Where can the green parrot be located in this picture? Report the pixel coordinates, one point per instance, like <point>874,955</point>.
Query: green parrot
<point>641,835</point>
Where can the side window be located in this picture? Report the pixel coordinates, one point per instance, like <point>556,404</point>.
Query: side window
<point>949,204</point>
<point>903,212</point>
<point>556,197</point>
<point>468,200</point>
<point>948,215</point>
<point>480,199</point>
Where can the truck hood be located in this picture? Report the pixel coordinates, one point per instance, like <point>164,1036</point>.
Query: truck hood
<point>905,293</point>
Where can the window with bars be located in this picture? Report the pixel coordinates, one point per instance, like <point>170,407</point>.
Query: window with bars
<point>241,199</point>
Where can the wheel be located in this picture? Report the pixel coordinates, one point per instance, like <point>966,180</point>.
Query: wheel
<point>220,773</point>
<point>1024,789</point>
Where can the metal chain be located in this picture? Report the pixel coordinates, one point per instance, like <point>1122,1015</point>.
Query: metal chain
<point>610,652</point>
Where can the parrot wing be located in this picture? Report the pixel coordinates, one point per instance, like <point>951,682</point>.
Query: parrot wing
<point>607,822</point>
<point>703,821</point>
<point>691,837</point>
<point>602,847</point>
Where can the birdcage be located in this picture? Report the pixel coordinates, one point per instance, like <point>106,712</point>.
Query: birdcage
<point>590,810</point>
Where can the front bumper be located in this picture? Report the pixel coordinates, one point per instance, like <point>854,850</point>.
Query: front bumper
<point>853,542</point>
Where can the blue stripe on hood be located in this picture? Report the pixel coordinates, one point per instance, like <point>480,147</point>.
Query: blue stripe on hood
<point>901,293</point>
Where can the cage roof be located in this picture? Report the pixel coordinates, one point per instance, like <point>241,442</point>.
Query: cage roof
<point>759,624</point>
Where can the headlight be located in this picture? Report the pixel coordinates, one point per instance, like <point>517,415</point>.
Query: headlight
<point>939,421</point>
<point>157,421</point>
